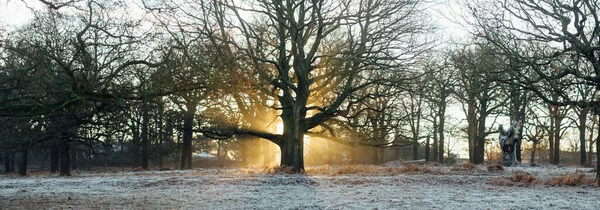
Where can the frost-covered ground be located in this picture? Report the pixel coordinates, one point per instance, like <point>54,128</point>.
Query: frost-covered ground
<point>326,188</point>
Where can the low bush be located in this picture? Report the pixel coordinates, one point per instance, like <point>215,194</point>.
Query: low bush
<point>517,179</point>
<point>495,167</point>
<point>467,166</point>
<point>575,179</point>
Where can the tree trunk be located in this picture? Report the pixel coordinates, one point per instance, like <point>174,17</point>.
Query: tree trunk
<point>188,123</point>
<point>442,115</point>
<point>479,155</point>
<point>9,162</point>
<point>591,145</point>
<point>534,148</point>
<point>65,165</point>
<point>471,129</point>
<point>219,152</point>
<point>74,152</point>
<point>434,147</point>
<point>427,149</point>
<point>480,136</point>
<point>160,154</point>
<point>557,141</point>
<point>135,145</point>
<point>292,148</point>
<point>295,151</point>
<point>291,153</point>
<point>6,162</point>
<point>582,124</point>
<point>54,152</point>
<point>598,157</point>
<point>518,149</point>
<point>415,149</point>
<point>23,161</point>
<point>145,142</point>
<point>551,141</point>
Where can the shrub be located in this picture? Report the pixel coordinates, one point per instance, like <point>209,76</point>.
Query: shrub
<point>324,169</point>
<point>575,179</point>
<point>411,168</point>
<point>522,177</point>
<point>517,179</point>
<point>495,167</point>
<point>357,169</point>
<point>467,166</point>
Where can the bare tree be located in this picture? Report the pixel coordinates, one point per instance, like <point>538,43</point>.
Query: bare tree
<point>539,34</point>
<point>479,94</point>
<point>440,80</point>
<point>284,42</point>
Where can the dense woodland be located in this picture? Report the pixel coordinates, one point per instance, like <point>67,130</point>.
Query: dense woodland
<point>161,84</point>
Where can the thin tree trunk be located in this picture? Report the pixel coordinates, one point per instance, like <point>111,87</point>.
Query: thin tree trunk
<point>65,165</point>
<point>6,162</point>
<point>74,152</point>
<point>427,149</point>
<point>434,147</point>
<point>54,158</point>
<point>9,162</point>
<point>598,157</point>
<point>442,115</point>
<point>551,140</point>
<point>161,142</point>
<point>135,146</point>
<point>23,161</point>
<point>145,142</point>
<point>415,149</point>
<point>534,148</point>
<point>472,129</point>
<point>219,151</point>
<point>13,161</point>
<point>582,124</point>
<point>480,137</point>
<point>591,145</point>
<point>557,141</point>
<point>188,123</point>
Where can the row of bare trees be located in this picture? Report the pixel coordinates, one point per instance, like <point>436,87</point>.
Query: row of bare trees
<point>89,78</point>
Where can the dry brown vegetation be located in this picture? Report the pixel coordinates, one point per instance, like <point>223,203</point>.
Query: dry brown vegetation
<point>411,168</point>
<point>520,178</point>
<point>349,170</point>
<point>268,169</point>
<point>575,179</point>
<point>523,177</point>
<point>467,166</point>
<point>495,167</point>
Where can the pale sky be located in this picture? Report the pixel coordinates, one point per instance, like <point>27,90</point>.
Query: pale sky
<point>15,12</point>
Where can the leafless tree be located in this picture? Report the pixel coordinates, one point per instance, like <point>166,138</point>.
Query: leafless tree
<point>540,34</point>
<point>285,41</point>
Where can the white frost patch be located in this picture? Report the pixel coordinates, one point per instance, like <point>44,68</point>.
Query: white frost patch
<point>233,189</point>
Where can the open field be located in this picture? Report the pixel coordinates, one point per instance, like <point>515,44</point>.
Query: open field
<point>397,186</point>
